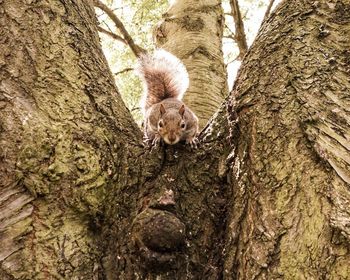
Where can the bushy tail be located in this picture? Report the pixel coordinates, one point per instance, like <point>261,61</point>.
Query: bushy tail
<point>164,76</point>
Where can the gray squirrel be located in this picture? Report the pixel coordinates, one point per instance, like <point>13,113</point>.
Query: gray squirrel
<point>166,117</point>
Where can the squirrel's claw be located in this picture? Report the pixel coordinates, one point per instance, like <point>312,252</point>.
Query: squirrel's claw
<point>151,143</point>
<point>147,142</point>
<point>156,140</point>
<point>193,142</point>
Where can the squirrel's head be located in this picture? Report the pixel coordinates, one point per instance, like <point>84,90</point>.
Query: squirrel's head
<point>171,125</point>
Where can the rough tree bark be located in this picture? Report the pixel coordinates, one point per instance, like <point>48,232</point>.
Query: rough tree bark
<point>192,30</point>
<point>265,196</point>
<point>65,135</point>
<point>291,175</point>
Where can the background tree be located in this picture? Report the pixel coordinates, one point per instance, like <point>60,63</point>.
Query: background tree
<point>193,32</point>
<point>114,17</point>
<point>265,196</point>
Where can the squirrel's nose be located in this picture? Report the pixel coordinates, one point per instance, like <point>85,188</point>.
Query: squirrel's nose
<point>172,138</point>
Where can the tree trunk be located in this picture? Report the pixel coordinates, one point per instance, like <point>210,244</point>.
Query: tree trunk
<point>264,198</point>
<point>291,175</point>
<point>64,133</point>
<point>193,30</point>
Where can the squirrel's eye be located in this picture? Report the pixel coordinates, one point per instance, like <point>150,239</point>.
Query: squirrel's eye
<point>182,125</point>
<point>160,124</point>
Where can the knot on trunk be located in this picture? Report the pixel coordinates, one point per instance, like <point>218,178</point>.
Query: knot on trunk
<point>165,202</point>
<point>159,235</point>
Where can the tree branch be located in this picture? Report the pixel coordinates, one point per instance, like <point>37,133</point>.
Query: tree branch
<point>136,49</point>
<point>239,26</point>
<point>123,71</point>
<point>268,10</point>
<point>111,34</point>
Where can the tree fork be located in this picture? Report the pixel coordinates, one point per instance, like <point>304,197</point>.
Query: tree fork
<point>81,194</point>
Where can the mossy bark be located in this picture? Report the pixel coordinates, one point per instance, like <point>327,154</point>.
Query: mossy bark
<point>291,173</point>
<point>64,133</point>
<point>264,197</point>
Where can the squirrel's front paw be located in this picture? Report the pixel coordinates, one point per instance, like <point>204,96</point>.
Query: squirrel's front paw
<point>193,142</point>
<point>156,141</point>
<point>152,142</point>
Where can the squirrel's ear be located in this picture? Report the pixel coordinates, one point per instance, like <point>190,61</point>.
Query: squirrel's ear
<point>182,110</point>
<point>162,109</point>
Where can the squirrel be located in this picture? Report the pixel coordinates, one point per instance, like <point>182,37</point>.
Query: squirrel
<point>166,117</point>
